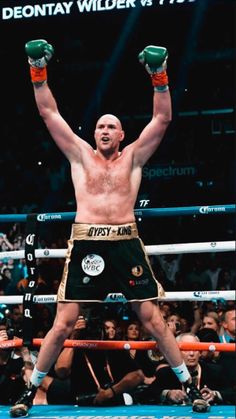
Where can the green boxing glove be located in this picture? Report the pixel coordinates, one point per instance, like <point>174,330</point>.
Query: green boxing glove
<point>39,53</point>
<point>154,59</point>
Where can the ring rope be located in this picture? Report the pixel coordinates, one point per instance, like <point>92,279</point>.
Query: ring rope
<point>121,344</point>
<point>226,295</point>
<point>153,250</point>
<point>147,212</point>
<point>163,249</point>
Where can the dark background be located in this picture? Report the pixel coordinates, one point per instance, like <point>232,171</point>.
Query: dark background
<point>95,70</point>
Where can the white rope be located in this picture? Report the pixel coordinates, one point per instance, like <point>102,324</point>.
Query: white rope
<point>163,249</point>
<point>223,246</point>
<point>169,296</point>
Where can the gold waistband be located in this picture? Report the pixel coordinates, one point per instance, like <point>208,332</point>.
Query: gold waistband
<point>104,231</point>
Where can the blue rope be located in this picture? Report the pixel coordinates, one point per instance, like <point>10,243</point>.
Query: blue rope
<point>141,213</point>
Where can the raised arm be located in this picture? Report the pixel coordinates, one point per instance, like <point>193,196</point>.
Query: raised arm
<point>39,53</point>
<point>154,58</point>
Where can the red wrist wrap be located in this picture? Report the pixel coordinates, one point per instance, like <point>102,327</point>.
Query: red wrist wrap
<point>159,79</point>
<point>38,75</point>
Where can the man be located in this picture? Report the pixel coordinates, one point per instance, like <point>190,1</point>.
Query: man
<point>208,378</point>
<point>106,259</point>
<point>228,323</point>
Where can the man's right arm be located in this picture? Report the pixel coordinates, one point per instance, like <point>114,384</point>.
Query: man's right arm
<point>39,53</point>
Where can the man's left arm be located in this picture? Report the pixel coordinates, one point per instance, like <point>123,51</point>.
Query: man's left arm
<point>154,59</point>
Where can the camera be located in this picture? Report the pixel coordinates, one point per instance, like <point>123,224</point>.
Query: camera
<point>10,333</point>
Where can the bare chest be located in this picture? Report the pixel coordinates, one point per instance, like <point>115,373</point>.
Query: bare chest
<point>107,178</point>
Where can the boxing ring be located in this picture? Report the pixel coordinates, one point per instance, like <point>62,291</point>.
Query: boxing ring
<point>31,254</point>
<point>124,412</point>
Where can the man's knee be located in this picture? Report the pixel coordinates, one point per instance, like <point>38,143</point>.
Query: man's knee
<point>62,328</point>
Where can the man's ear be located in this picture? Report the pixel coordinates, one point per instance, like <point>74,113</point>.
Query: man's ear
<point>122,135</point>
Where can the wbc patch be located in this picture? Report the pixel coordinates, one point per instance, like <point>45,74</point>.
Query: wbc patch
<point>93,264</point>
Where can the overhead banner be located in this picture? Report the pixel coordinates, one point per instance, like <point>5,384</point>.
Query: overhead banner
<point>26,10</point>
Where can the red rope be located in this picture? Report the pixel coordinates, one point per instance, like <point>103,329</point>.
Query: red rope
<point>122,344</point>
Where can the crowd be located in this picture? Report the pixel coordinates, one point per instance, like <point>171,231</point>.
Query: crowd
<point>85,377</point>
<point>111,377</point>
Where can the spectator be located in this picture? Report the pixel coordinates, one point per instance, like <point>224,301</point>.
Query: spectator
<point>7,280</point>
<point>225,280</point>
<point>197,278</point>
<point>228,322</point>
<point>109,329</point>
<point>43,320</point>
<point>15,318</point>
<point>85,377</point>
<point>211,320</point>
<point>197,318</point>
<point>98,377</point>
<point>18,242</point>
<point>207,377</point>
<point>165,308</point>
<point>5,244</point>
<point>213,271</point>
<point>207,334</point>
<point>15,236</point>
<point>170,264</point>
<point>142,359</point>
<point>174,323</point>
<point>15,366</point>
<point>184,325</point>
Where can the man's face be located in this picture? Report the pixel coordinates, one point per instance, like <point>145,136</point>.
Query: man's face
<point>230,322</point>
<point>191,358</point>
<point>108,133</point>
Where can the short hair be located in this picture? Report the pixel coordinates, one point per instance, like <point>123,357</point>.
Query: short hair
<point>223,316</point>
<point>181,337</point>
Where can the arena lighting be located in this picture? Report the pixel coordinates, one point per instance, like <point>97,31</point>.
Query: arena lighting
<point>190,50</point>
<point>11,10</point>
<point>111,65</point>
